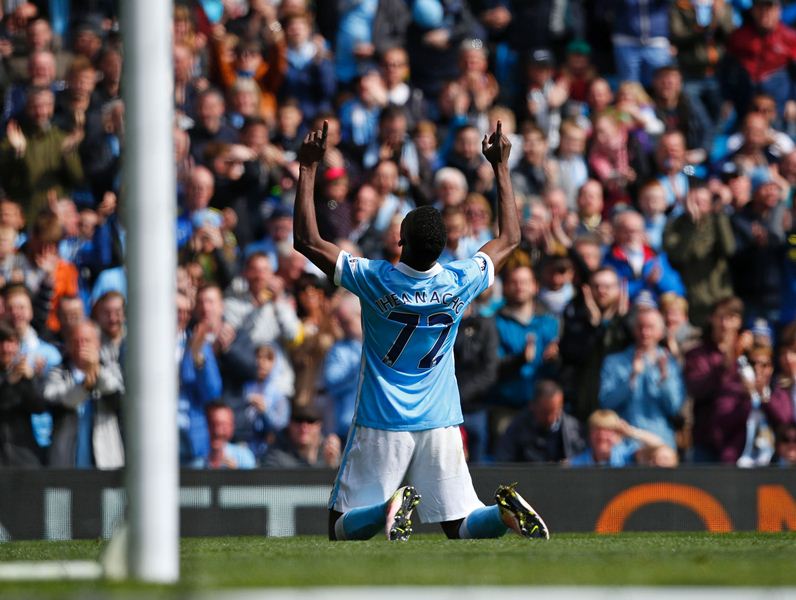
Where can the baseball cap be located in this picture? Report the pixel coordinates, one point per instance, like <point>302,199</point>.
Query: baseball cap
<point>305,414</point>
<point>579,47</point>
<point>334,173</point>
<point>542,58</point>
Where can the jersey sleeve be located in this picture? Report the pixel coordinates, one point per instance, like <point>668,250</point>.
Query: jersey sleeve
<point>479,272</point>
<point>349,273</point>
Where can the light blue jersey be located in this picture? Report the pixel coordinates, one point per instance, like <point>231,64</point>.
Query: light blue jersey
<point>409,322</point>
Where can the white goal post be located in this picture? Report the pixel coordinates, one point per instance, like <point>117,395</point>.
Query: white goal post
<point>149,208</point>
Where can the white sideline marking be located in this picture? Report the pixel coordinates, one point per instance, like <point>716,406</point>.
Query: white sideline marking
<point>508,593</point>
<point>50,570</point>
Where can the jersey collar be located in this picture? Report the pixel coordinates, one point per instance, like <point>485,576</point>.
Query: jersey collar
<point>410,272</point>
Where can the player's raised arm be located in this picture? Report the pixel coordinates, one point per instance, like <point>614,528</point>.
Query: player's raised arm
<point>497,148</point>
<point>306,238</point>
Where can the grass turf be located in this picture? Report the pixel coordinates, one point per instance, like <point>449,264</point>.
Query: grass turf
<point>745,559</point>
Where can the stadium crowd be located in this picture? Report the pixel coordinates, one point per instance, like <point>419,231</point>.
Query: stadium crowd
<point>649,316</point>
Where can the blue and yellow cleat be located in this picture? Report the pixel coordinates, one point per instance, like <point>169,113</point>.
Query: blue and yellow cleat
<point>518,515</point>
<point>399,513</point>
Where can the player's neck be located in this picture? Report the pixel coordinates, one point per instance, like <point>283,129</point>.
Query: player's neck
<point>417,265</point>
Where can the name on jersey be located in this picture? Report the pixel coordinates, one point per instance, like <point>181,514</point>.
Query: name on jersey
<point>389,301</point>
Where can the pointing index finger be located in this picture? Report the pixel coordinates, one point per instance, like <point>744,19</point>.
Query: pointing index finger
<point>325,131</point>
<point>499,129</point>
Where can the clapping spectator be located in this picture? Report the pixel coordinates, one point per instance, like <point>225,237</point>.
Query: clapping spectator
<point>700,245</point>
<point>19,399</point>
<point>636,262</point>
<point>341,367</point>
<point>528,340</point>
<point>711,371</point>
<point>595,325</point>
<point>643,384</point>
<point>199,381</point>
<point>757,267</point>
<point>85,396</point>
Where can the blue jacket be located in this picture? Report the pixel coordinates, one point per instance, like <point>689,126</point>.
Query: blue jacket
<point>669,281</point>
<point>651,401</point>
<point>642,19</point>
<point>197,388</point>
<point>516,377</point>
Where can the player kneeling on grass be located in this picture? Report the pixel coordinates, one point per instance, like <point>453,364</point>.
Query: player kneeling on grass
<point>408,409</point>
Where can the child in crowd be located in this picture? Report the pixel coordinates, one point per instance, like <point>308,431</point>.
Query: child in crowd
<point>609,159</point>
<point>267,409</point>
<point>556,289</point>
<point>572,167</point>
<point>652,204</point>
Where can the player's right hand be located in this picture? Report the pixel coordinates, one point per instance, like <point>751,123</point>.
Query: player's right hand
<point>496,147</point>
<point>314,146</point>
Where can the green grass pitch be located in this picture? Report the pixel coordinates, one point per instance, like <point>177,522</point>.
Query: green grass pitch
<point>745,559</point>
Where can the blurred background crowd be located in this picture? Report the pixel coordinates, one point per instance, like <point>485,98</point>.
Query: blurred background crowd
<point>647,318</point>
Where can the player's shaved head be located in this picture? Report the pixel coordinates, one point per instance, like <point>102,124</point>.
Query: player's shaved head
<point>423,237</point>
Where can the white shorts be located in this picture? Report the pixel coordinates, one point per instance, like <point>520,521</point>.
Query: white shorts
<point>377,462</point>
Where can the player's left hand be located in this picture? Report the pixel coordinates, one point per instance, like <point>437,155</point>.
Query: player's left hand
<point>496,147</point>
<point>311,151</point>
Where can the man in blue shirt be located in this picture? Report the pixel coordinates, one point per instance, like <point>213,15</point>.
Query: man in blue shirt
<point>407,409</point>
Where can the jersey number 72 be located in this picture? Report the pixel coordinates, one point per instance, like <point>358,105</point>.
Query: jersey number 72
<point>410,322</point>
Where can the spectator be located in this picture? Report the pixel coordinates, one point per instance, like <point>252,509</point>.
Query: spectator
<point>19,399</point>
<point>261,314</point>
<point>39,156</point>
<point>636,262</point>
<point>744,422</point>
<point>263,58</point>
<point>475,354</point>
<point>595,325</point>
<point>613,442</point>
<point>757,267</point>
<point>674,109</point>
<point>700,32</point>
<point>85,397</point>
<point>544,97</point>
<point>641,39</point>
<point>333,208</point>
<point>528,341</point>
<point>310,77</point>
<point>783,394</point>
<point>535,171</point>
<point>433,37</point>
<point>109,314</point>
<point>711,371</point>
<point>556,289</point>
<point>301,444</point>
<point>395,72</point>
<point>199,382</point>
<point>543,432</point>
<point>341,366</point>
<point>700,245</point>
<point>643,383</point>
<point>261,410</point>
<point>466,156</point>
<point>572,167</point>
<point>652,205</point>
<point>762,49</point>
<point>223,454</point>
<point>786,446</point>
<point>456,246</point>
<point>681,336</point>
<point>210,125</point>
